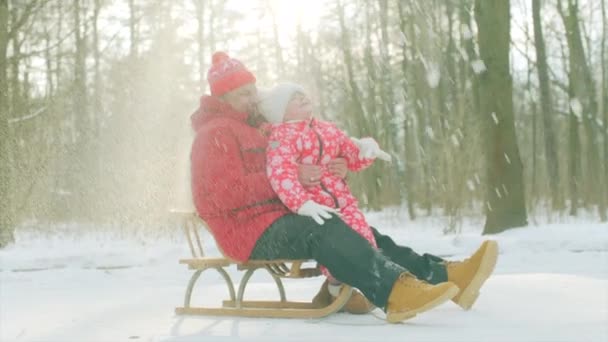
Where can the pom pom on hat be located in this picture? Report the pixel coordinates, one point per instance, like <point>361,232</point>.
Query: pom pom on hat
<point>219,57</point>
<point>227,74</point>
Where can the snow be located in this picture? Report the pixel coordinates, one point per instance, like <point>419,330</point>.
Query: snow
<point>429,132</point>
<point>466,32</point>
<point>495,118</point>
<point>455,141</point>
<point>433,75</point>
<point>577,108</point>
<point>478,66</point>
<point>551,284</point>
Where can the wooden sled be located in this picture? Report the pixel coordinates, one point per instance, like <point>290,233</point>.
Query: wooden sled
<point>236,305</point>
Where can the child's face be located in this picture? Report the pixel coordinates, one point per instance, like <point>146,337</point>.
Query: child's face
<point>299,107</point>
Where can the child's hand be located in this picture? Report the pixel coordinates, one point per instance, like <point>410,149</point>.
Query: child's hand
<point>369,148</point>
<point>317,211</point>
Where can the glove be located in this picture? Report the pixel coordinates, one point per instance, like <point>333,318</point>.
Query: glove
<point>368,148</point>
<point>316,211</point>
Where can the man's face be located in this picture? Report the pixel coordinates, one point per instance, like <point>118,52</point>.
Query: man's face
<point>242,99</point>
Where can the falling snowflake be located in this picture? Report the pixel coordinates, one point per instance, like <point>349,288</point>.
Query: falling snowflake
<point>466,31</point>
<point>455,141</point>
<point>495,118</point>
<point>433,75</point>
<point>470,185</point>
<point>429,132</point>
<point>478,66</point>
<point>576,107</point>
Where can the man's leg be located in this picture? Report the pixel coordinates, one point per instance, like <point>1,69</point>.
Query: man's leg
<point>469,275</point>
<point>348,256</point>
<point>425,267</point>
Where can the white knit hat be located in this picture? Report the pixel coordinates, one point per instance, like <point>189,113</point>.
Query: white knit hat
<point>273,102</point>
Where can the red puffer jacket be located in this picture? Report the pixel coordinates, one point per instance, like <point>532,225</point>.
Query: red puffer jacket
<point>229,185</point>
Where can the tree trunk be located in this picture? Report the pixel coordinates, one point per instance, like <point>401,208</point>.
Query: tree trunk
<point>506,207</point>
<point>278,50</point>
<point>15,103</point>
<point>6,218</point>
<point>584,93</point>
<point>200,19</point>
<point>132,29</point>
<point>465,18</point>
<point>80,84</point>
<point>408,141</point>
<point>386,85</point>
<point>59,53</point>
<point>574,148</point>
<point>97,70</point>
<point>212,16</point>
<point>368,59</point>
<point>348,60</point>
<point>420,96</point>
<point>604,96</point>
<point>546,103</point>
<point>469,94</point>
<point>50,89</point>
<point>356,106</point>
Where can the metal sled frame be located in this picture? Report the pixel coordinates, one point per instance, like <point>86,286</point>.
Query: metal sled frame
<point>236,305</point>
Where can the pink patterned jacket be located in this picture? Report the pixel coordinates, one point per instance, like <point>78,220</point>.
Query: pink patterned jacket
<point>315,142</point>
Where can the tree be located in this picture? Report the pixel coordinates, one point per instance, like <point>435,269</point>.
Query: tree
<point>200,43</point>
<point>6,219</point>
<point>604,95</point>
<point>546,107</point>
<point>504,170</point>
<point>583,102</point>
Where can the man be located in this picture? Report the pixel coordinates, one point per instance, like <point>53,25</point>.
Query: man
<point>234,197</point>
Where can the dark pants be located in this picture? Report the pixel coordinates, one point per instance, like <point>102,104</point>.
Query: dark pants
<point>347,255</point>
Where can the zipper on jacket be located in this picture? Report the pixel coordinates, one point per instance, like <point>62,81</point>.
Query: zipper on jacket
<point>319,162</point>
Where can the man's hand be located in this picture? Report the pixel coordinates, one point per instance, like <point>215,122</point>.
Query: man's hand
<point>338,167</point>
<point>309,175</point>
<point>317,211</point>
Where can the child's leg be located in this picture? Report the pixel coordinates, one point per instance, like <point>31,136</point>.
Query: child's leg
<point>353,217</point>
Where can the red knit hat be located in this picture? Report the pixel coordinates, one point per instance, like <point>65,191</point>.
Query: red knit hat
<point>227,74</point>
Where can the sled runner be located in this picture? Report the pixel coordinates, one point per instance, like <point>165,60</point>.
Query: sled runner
<point>236,305</point>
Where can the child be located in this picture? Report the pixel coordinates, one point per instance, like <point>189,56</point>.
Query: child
<point>299,138</point>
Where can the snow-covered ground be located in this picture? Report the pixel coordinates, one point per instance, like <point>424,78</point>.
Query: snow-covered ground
<point>550,284</point>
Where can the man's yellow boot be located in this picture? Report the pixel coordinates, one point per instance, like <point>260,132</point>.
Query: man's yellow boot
<point>357,304</point>
<point>470,274</point>
<point>411,296</point>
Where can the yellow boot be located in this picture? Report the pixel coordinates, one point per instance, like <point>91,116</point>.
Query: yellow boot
<point>411,296</point>
<point>356,305</point>
<point>470,274</point>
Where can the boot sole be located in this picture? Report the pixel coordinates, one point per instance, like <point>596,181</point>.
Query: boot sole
<point>402,316</point>
<point>468,296</point>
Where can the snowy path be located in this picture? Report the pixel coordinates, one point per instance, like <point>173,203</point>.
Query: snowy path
<point>551,289</point>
